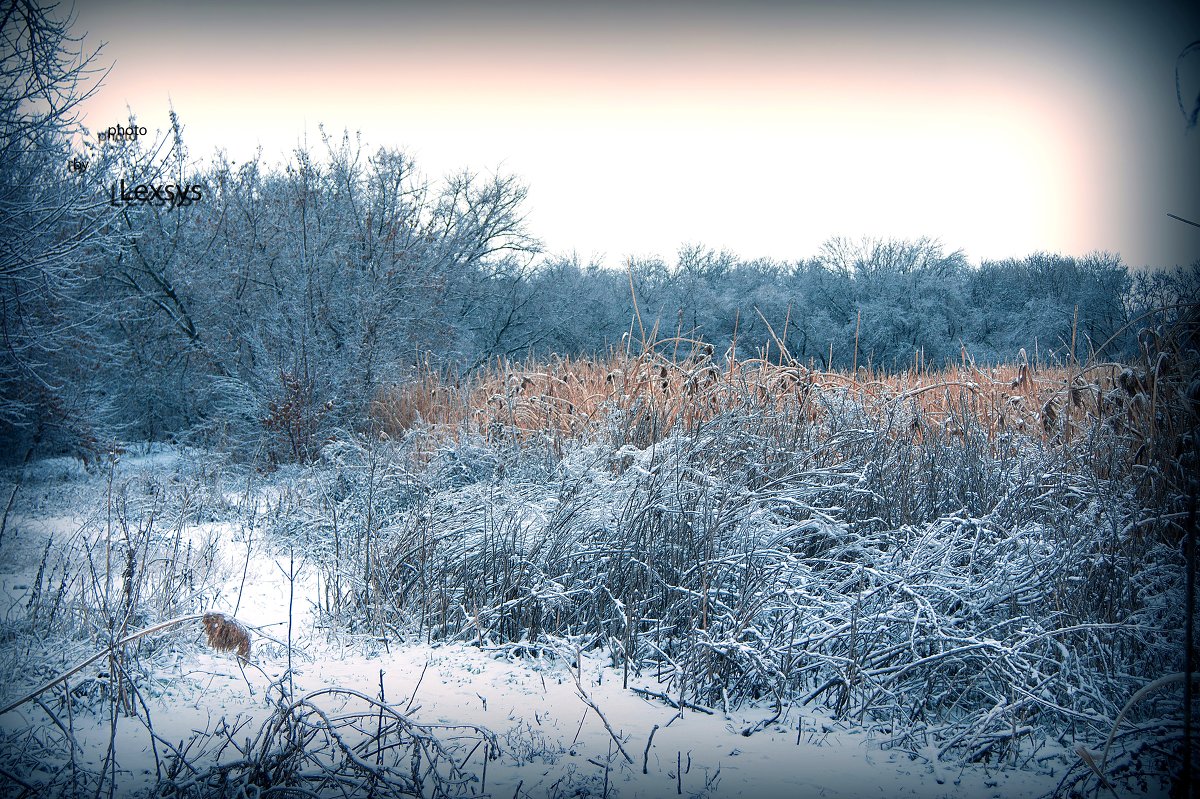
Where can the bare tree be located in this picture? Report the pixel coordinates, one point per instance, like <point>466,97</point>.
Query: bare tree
<point>52,221</point>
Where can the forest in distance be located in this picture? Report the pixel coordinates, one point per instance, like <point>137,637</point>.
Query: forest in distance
<point>147,295</point>
<point>346,269</point>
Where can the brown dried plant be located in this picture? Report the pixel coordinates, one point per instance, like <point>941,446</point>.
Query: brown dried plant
<point>652,395</point>
<point>226,634</point>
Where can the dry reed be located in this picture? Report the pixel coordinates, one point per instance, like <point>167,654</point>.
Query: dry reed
<point>644,399</point>
<point>226,634</point>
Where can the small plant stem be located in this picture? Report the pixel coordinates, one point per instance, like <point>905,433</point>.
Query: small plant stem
<point>84,664</point>
<point>646,751</point>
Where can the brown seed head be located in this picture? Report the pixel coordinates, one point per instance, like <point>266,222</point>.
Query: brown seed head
<point>226,634</point>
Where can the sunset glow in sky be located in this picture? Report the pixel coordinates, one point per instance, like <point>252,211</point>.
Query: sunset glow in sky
<point>764,128</point>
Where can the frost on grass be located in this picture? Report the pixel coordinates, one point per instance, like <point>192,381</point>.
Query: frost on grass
<point>986,597</point>
<point>969,597</point>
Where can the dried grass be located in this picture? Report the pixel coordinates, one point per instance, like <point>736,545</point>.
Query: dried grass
<point>226,634</point>
<point>652,396</point>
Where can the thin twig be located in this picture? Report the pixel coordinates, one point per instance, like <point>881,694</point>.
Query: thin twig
<point>588,701</point>
<point>108,650</point>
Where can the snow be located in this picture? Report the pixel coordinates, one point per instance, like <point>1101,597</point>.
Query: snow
<point>552,743</point>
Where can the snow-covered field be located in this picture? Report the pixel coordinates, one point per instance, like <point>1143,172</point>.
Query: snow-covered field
<point>539,719</point>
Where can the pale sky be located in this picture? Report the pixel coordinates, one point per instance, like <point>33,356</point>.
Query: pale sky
<point>764,128</point>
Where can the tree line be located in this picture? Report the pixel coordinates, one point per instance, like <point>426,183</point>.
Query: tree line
<point>323,278</point>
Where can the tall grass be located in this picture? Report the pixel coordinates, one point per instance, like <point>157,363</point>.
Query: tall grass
<point>640,400</point>
<point>984,561</point>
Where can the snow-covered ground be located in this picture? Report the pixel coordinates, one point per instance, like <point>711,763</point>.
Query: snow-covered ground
<point>552,743</point>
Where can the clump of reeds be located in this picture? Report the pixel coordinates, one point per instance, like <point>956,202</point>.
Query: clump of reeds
<point>643,399</point>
